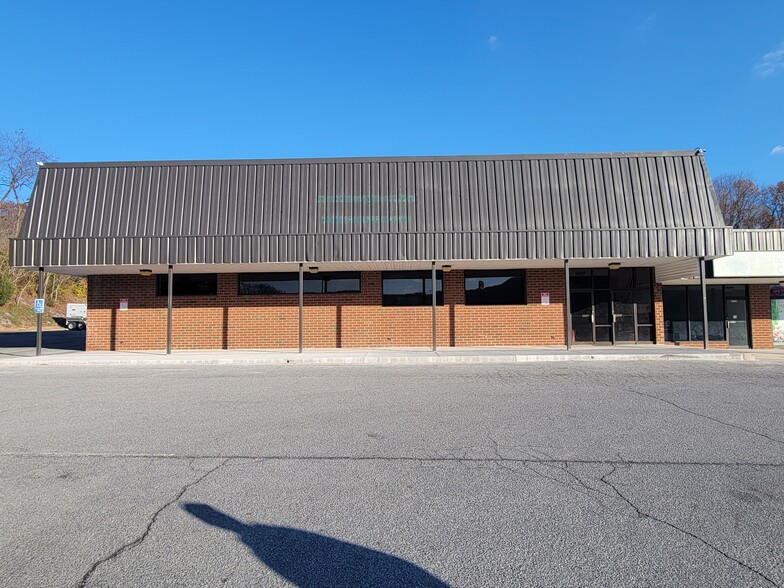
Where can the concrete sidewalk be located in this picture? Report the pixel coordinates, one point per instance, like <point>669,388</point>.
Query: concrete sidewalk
<point>385,356</point>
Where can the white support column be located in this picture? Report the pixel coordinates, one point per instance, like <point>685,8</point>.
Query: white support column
<point>301,302</point>
<point>169,301</point>
<point>704,304</point>
<point>568,306</point>
<point>435,297</point>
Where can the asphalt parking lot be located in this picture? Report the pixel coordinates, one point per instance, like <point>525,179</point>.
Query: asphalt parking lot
<point>655,473</point>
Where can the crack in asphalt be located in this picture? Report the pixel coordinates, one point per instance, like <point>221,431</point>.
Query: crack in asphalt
<point>139,540</point>
<point>643,514</point>
<point>705,416</point>
<point>552,464</point>
<point>389,458</point>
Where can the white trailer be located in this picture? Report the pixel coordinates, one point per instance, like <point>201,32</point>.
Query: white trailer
<point>75,316</point>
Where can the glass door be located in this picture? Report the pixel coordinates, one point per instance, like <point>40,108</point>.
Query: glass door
<point>582,317</point>
<point>737,316</point>
<point>611,306</point>
<point>624,327</point>
<point>603,309</point>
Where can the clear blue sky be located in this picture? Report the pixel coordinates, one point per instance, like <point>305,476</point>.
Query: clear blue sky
<point>103,81</point>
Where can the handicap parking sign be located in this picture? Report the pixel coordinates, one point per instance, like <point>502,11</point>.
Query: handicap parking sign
<point>38,306</point>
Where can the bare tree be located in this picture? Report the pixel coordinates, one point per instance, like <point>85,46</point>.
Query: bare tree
<point>741,200</point>
<point>774,203</point>
<point>18,169</point>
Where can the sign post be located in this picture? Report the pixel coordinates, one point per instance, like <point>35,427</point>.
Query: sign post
<point>38,307</point>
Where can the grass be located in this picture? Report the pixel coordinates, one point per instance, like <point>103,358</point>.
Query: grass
<point>20,317</point>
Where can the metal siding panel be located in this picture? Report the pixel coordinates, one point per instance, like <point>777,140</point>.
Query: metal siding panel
<point>652,188</point>
<point>86,204</point>
<point>491,193</point>
<point>539,221</point>
<point>706,191</point>
<point>546,199</point>
<point>678,190</point>
<point>690,187</point>
<point>580,193</point>
<point>555,196</point>
<point>511,216</point>
<point>594,197</point>
<point>568,184</point>
<point>439,204</point>
<point>633,202</point>
<point>642,197</point>
<point>623,197</point>
<point>613,218</point>
<point>672,216</point>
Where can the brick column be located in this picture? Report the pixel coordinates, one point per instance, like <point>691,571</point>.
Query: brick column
<point>759,316</point>
<point>658,314</point>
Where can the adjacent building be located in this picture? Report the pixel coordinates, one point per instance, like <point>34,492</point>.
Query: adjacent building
<point>597,248</point>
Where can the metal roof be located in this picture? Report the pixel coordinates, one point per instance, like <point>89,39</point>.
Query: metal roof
<point>593,205</point>
<point>759,239</point>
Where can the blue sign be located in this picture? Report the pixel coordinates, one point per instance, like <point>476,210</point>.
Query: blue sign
<point>38,306</point>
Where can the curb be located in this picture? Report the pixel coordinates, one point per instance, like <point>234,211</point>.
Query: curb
<point>381,360</point>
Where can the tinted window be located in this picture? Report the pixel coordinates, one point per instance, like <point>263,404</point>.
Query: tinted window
<point>683,313</point>
<point>288,283</point>
<point>494,287</point>
<point>580,279</point>
<point>411,289</point>
<point>188,285</point>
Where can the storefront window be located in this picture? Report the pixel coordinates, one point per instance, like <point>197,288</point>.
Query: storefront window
<point>411,288</point>
<point>188,285</point>
<point>288,283</point>
<point>777,313</point>
<point>494,287</point>
<point>683,312</point>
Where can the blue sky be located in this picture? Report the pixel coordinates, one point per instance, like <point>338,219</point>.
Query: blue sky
<point>108,81</point>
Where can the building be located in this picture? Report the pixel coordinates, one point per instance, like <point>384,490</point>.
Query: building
<point>344,252</point>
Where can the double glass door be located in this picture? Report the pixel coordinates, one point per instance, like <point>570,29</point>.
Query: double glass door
<point>611,306</point>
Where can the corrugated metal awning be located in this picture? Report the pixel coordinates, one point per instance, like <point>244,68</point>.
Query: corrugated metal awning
<point>576,206</point>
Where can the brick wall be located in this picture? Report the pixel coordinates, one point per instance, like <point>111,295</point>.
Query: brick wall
<point>231,321</point>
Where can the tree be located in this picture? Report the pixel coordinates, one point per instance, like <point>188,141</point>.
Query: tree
<point>774,202</point>
<point>18,170</point>
<point>18,166</point>
<point>741,201</point>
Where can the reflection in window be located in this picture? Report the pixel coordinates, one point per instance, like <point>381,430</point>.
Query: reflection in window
<point>188,285</point>
<point>411,288</point>
<point>683,312</point>
<point>494,287</point>
<point>288,283</point>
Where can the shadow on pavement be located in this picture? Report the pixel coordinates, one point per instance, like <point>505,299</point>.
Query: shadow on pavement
<point>16,342</point>
<point>310,560</point>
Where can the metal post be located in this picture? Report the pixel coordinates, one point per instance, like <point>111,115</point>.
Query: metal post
<point>568,306</point>
<point>169,299</point>
<point>301,303</point>
<point>704,304</point>
<point>40,317</point>
<point>433,284</point>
